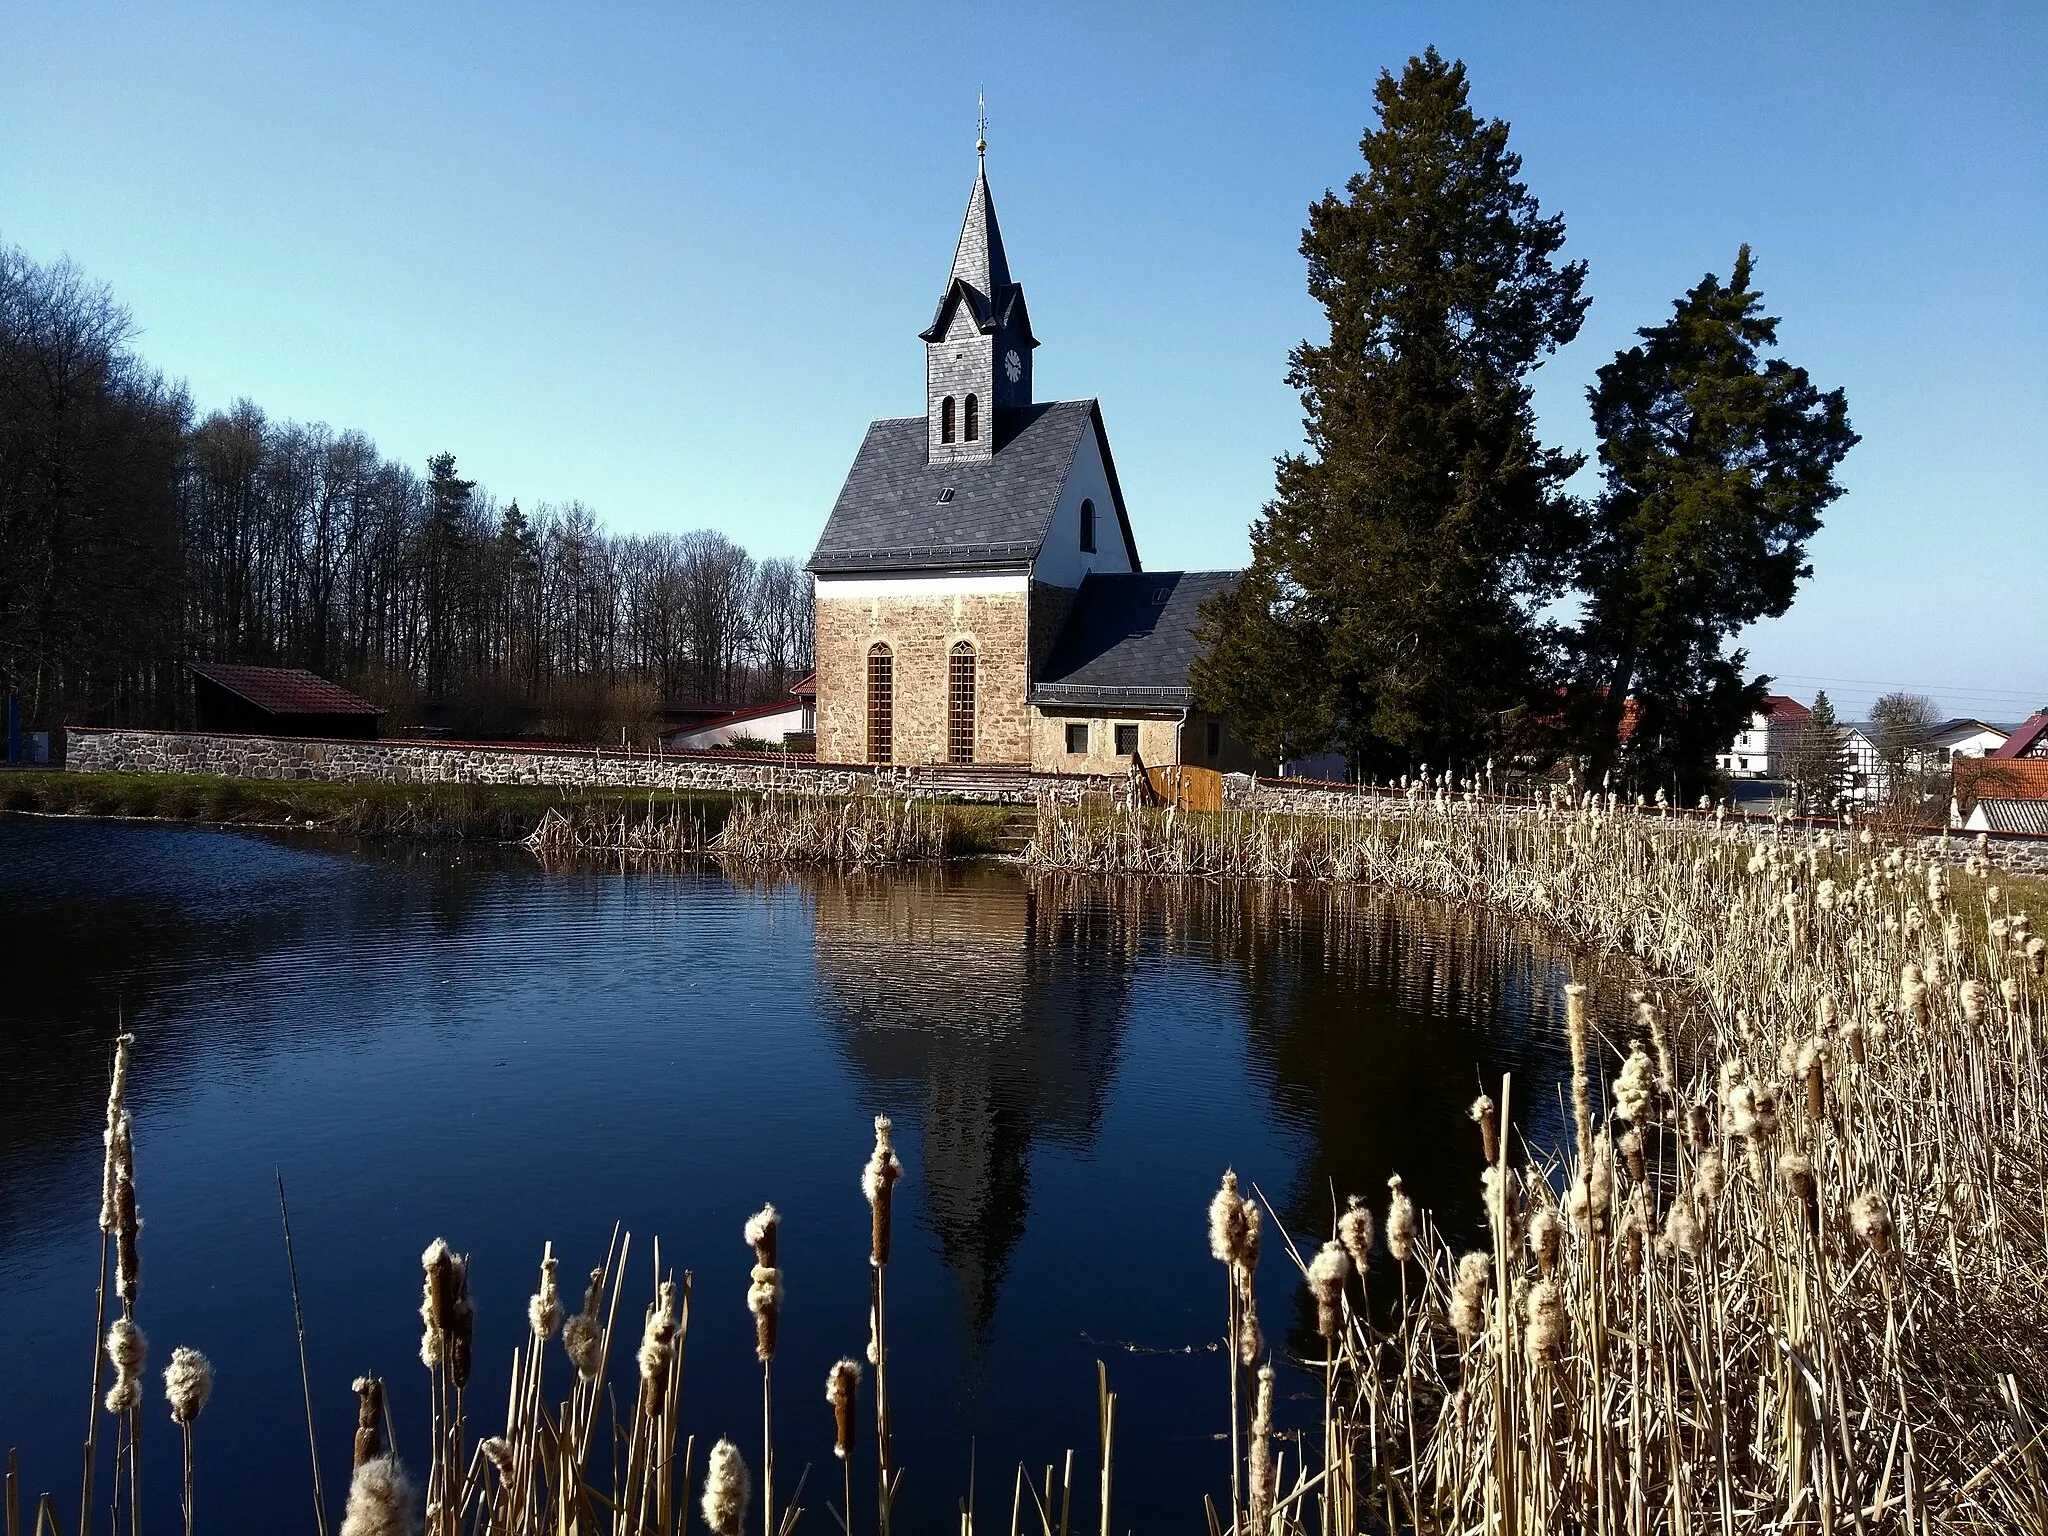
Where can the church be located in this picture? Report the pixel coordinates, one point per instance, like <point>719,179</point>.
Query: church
<point>979,593</point>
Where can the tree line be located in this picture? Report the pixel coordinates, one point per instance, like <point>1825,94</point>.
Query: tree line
<point>1403,597</point>
<point>136,535</point>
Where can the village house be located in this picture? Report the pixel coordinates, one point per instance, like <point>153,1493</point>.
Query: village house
<point>980,597</point>
<point>1758,751</point>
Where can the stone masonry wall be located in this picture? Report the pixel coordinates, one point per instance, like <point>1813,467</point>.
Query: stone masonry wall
<point>920,633</point>
<point>93,750</point>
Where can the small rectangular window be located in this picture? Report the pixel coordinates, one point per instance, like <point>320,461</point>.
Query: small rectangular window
<point>1126,740</point>
<point>1215,740</point>
<point>1077,737</point>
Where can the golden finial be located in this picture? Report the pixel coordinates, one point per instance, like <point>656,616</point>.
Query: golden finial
<point>981,138</point>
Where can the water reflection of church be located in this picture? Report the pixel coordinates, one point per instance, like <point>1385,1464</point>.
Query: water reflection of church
<point>961,994</point>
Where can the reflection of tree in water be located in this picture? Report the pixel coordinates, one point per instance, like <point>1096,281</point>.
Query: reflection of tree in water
<point>960,991</point>
<point>1373,1020</point>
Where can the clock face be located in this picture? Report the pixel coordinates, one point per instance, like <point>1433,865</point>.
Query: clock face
<point>1013,365</point>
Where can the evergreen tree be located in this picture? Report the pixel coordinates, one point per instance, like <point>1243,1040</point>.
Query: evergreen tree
<point>1391,604</point>
<point>1718,464</point>
<point>441,550</point>
<point>1818,761</point>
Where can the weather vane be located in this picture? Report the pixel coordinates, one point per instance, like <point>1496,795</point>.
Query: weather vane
<point>981,138</point>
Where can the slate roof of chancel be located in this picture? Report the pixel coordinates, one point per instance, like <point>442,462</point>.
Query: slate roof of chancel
<point>889,516</point>
<point>285,690</point>
<point>1129,641</point>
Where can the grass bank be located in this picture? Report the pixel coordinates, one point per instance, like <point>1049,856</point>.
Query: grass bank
<point>605,820</point>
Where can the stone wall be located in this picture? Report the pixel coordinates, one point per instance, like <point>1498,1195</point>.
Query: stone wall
<point>94,750</point>
<point>920,632</point>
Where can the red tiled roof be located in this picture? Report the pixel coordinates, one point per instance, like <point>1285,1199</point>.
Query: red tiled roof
<point>807,688</point>
<point>1783,707</point>
<point>1992,778</point>
<point>2027,738</point>
<point>285,690</point>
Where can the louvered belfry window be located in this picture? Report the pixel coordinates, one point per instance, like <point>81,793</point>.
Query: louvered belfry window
<point>881,704</point>
<point>973,418</point>
<point>960,705</point>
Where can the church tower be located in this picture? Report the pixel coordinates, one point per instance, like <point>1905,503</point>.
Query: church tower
<point>978,346</point>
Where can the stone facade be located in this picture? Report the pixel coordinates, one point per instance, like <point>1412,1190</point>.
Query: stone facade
<point>921,632</point>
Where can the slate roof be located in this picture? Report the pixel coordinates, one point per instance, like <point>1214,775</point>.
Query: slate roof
<point>1130,640</point>
<point>889,517</point>
<point>285,690</point>
<point>1997,814</point>
<point>980,278</point>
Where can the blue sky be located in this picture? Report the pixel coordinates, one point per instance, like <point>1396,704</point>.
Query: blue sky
<point>670,260</point>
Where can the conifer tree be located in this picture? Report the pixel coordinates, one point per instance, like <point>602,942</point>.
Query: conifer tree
<point>1718,463</point>
<point>1818,761</point>
<point>1391,603</point>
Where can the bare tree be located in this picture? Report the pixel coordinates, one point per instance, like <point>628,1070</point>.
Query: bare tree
<point>782,623</point>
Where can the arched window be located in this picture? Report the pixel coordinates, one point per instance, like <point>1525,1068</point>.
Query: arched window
<point>960,702</point>
<point>1088,526</point>
<point>946,419</point>
<point>881,704</point>
<point>973,420</point>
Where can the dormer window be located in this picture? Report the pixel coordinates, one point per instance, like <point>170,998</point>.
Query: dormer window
<point>946,418</point>
<point>1088,527</point>
<point>973,420</point>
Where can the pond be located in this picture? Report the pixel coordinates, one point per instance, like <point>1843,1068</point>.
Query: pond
<point>433,1042</point>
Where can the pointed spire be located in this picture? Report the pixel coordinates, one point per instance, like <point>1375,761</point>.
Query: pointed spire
<point>980,261</point>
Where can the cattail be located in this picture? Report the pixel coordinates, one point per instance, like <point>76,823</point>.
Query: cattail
<point>1699,1127</point>
<point>1637,1225</point>
<point>727,1490</point>
<point>1599,1187</point>
<point>1483,1115</point>
<point>544,1307</point>
<point>1681,1229</point>
<point>1400,1221</point>
<point>877,1180</point>
<point>583,1334</point>
<point>1327,1272</point>
<point>1813,1075</point>
<point>1546,1236</point>
<point>764,1290</point>
<point>842,1382</point>
<point>1632,1151</point>
<point>1582,1098</point>
<point>1796,1169</point>
<point>126,1351</point>
<point>1226,1221</point>
<point>1709,1179</point>
<point>1260,1458</point>
<point>1871,1221</point>
<point>127,1230</point>
<point>1545,1339</point>
<point>657,1349</point>
<point>497,1450</point>
<point>369,1419</point>
<point>1852,1040</point>
<point>1468,1294</point>
<point>1635,1090</point>
<point>436,1302</point>
<point>188,1383</point>
<point>379,1500</point>
<point>1249,1340</point>
<point>1973,1001</point>
<point>1354,1231</point>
